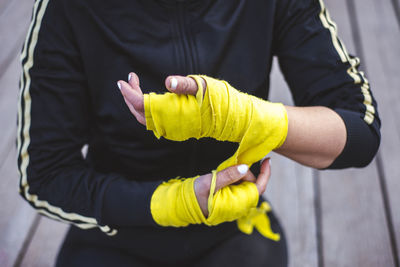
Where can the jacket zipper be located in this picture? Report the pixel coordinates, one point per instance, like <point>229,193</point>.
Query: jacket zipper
<point>188,63</point>
<point>188,60</point>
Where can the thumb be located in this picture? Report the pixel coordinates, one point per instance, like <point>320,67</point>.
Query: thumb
<point>183,85</point>
<point>230,175</point>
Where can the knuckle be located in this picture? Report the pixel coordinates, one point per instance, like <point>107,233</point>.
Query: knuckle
<point>193,86</point>
<point>231,174</point>
<point>139,104</point>
<point>186,86</point>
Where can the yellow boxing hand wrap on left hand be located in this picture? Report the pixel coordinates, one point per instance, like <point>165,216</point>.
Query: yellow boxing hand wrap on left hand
<point>174,203</point>
<point>225,114</point>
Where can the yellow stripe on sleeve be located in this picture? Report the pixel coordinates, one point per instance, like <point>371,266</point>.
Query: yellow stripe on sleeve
<point>24,123</point>
<point>357,76</point>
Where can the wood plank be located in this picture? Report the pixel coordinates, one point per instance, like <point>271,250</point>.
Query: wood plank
<point>353,219</point>
<point>45,244</point>
<point>3,6</point>
<point>352,211</point>
<point>16,14</point>
<point>380,38</point>
<point>16,215</point>
<point>18,221</point>
<point>291,193</point>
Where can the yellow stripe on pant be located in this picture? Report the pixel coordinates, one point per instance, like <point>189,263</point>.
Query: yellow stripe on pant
<point>225,114</point>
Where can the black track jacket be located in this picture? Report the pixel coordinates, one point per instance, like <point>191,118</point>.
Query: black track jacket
<point>75,52</point>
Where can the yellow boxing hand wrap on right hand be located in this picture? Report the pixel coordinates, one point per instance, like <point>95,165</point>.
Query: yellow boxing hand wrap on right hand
<point>225,114</point>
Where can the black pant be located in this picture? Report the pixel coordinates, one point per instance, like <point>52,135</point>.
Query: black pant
<point>237,249</point>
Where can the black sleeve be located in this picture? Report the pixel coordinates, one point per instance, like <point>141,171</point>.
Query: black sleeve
<point>320,72</point>
<point>53,125</point>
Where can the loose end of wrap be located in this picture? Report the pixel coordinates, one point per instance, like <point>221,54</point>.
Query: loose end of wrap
<point>258,218</point>
<point>147,113</point>
<point>212,191</point>
<point>200,89</point>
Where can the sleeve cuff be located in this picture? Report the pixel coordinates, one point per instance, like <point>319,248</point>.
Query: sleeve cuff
<point>362,142</point>
<point>127,203</point>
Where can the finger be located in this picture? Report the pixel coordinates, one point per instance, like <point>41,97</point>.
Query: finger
<point>133,96</point>
<point>230,175</point>
<point>134,82</point>
<point>139,116</point>
<point>181,85</point>
<point>249,177</point>
<point>202,191</point>
<point>263,177</point>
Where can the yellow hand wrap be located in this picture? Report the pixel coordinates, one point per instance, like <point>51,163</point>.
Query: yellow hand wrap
<point>174,203</point>
<point>257,218</point>
<point>225,114</point>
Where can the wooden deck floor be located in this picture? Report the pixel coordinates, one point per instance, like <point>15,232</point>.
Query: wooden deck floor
<point>331,218</point>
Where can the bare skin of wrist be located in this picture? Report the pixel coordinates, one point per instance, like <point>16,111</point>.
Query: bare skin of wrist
<point>316,136</point>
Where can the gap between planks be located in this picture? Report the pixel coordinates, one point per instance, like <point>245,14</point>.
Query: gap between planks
<point>396,8</point>
<point>318,218</point>
<point>27,241</point>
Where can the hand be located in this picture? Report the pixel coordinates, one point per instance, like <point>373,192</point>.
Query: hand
<point>133,95</point>
<point>230,176</point>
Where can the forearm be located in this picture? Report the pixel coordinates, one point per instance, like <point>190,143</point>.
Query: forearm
<point>316,136</point>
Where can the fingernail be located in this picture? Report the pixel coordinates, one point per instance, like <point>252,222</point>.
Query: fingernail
<point>270,162</point>
<point>119,85</point>
<point>242,169</point>
<point>174,83</point>
<point>129,77</point>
